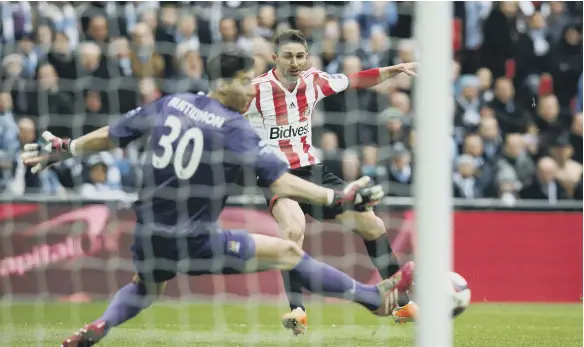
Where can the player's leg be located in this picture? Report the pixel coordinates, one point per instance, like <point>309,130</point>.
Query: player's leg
<point>147,285</point>
<point>372,229</point>
<point>318,277</point>
<point>292,225</point>
<point>237,251</point>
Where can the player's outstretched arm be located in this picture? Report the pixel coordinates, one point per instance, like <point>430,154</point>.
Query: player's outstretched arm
<point>372,77</point>
<point>57,149</point>
<point>119,133</point>
<point>356,194</point>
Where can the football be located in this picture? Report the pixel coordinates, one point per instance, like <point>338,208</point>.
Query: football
<point>460,294</point>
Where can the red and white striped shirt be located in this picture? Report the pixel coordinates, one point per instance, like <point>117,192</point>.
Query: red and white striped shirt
<point>282,118</point>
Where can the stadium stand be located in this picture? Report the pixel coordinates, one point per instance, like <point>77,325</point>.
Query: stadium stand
<point>517,77</point>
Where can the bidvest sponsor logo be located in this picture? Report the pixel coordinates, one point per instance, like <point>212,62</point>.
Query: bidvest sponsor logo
<point>289,131</point>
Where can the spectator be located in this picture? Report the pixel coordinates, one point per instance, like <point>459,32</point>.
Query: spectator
<point>189,76</point>
<point>249,31</point>
<point>16,21</point>
<point>373,15</point>
<point>146,62</point>
<point>228,30</point>
<point>557,19</point>
<point>533,50</point>
<point>371,166</point>
<point>267,21</point>
<point>576,137</point>
<point>186,30</point>
<point>465,184</point>
<point>483,175</point>
<point>119,57</point>
<point>351,166</point>
<point>491,136</point>
<point>500,37</point>
<point>547,121</point>
<point>330,153</point>
<point>467,114</point>
<point>401,173</point>
<point>378,49</point>
<point>98,187</point>
<point>351,34</point>
<point>515,162</point>
<point>392,129</point>
<point>486,82</point>
<point>92,65</point>
<point>62,58</point>
<point>509,115</point>
<point>29,54</point>
<point>63,17</point>
<point>8,140</point>
<point>49,104</point>
<point>567,65</point>
<point>545,186</point>
<point>98,31</point>
<point>342,110</point>
<point>44,38</point>
<point>569,171</point>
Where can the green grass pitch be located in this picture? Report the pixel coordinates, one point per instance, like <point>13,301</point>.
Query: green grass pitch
<point>251,324</point>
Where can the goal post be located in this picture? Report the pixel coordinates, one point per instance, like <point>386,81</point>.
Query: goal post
<point>433,174</point>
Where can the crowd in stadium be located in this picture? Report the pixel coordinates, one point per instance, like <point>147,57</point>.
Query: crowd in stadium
<point>71,67</point>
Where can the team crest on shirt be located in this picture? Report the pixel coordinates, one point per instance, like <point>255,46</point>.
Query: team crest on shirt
<point>233,246</point>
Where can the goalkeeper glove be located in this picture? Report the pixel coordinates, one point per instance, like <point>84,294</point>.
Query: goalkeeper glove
<point>41,156</point>
<point>358,196</point>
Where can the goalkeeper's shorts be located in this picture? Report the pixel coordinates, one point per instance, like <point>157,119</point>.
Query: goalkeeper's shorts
<point>159,258</point>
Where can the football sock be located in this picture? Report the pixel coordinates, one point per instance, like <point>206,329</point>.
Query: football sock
<point>382,256</point>
<point>293,287</point>
<point>321,278</point>
<point>126,304</point>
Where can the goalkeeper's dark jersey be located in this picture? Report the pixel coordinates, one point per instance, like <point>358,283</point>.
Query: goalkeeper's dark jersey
<point>195,148</point>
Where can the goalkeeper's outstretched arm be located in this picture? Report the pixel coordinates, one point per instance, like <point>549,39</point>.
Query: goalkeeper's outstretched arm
<point>356,193</point>
<point>96,141</point>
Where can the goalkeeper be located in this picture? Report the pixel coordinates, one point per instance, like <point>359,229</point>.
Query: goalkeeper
<point>196,146</point>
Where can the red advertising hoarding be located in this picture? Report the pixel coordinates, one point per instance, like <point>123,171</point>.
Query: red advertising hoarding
<point>83,252</point>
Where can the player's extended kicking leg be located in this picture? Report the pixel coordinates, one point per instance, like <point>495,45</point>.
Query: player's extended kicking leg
<point>372,230</point>
<point>239,252</point>
<point>289,215</point>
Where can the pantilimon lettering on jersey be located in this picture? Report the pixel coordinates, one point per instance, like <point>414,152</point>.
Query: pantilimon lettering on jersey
<point>283,118</point>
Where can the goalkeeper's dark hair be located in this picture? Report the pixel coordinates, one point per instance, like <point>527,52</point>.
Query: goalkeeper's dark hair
<point>289,35</point>
<point>228,63</point>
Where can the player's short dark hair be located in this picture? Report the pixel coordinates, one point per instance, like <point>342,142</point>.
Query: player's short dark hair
<point>227,63</point>
<point>289,35</point>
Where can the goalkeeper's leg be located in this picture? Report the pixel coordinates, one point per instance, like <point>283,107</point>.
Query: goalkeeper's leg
<point>128,302</point>
<point>318,277</point>
<point>240,252</point>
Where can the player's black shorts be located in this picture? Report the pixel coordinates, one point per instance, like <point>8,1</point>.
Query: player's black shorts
<point>317,174</point>
<point>158,258</point>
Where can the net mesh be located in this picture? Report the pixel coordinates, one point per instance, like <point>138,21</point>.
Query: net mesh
<point>64,240</point>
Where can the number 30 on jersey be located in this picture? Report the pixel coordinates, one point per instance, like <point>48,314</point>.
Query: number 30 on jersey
<point>183,172</point>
